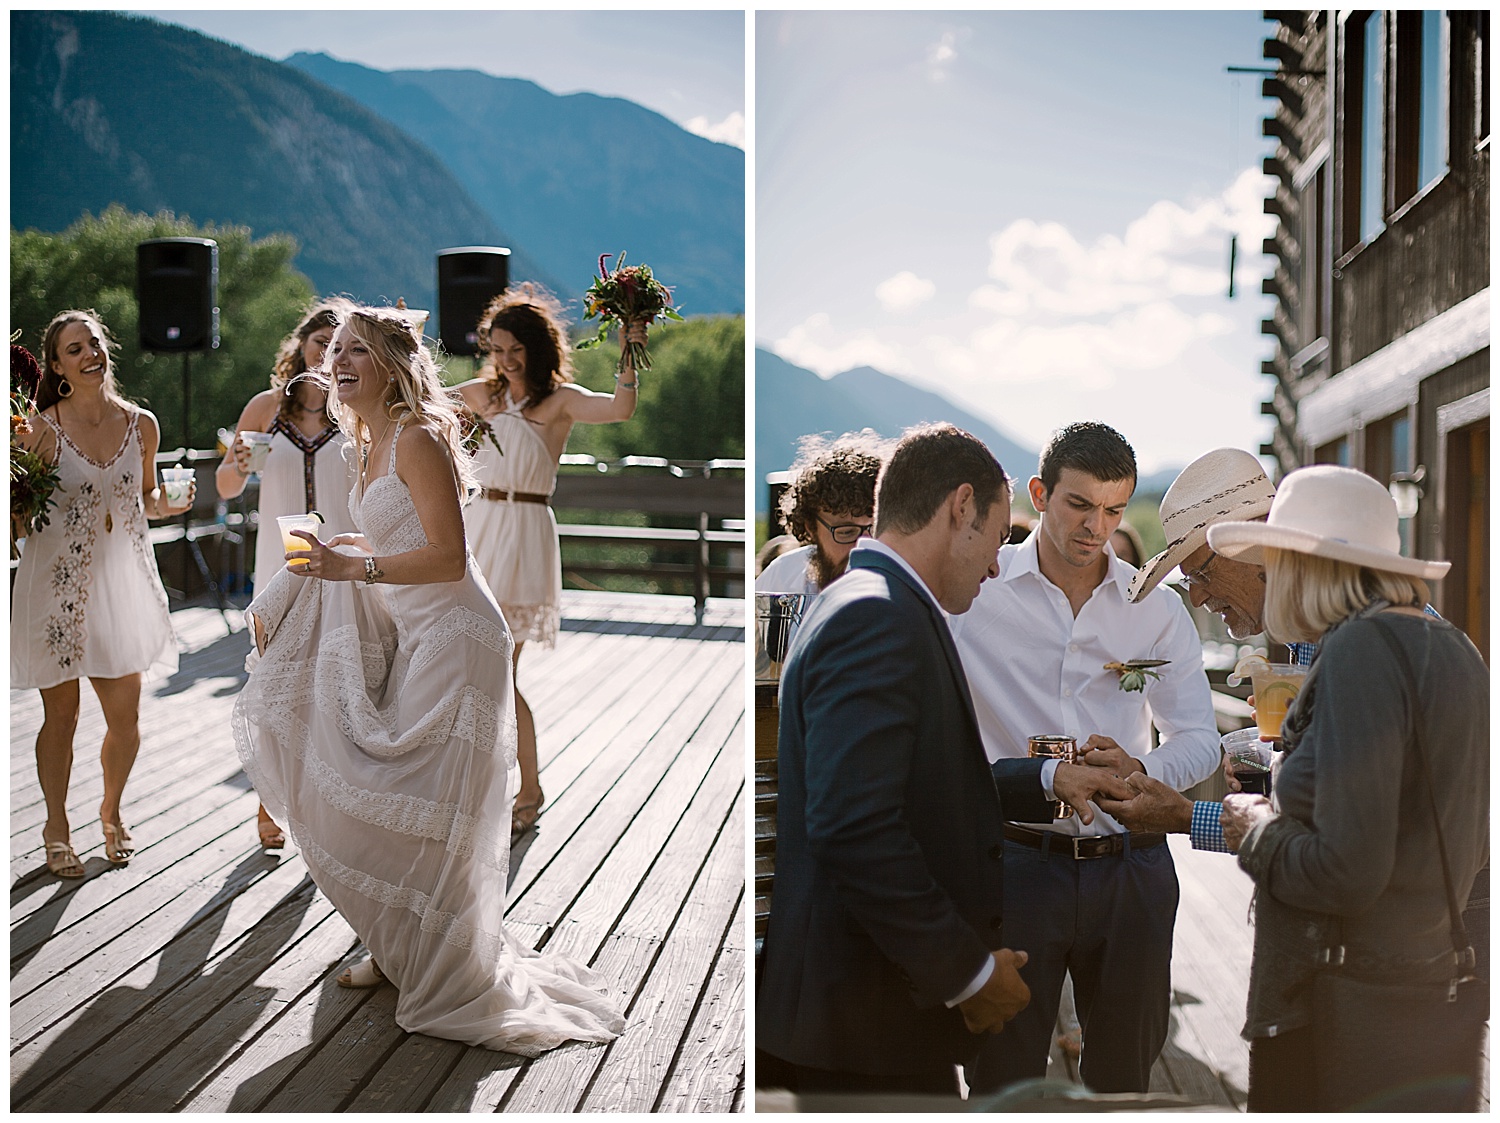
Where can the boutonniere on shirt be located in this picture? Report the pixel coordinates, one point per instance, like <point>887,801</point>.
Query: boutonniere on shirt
<point>1133,672</point>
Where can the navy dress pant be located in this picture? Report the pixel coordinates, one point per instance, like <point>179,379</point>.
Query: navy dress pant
<point>1109,921</point>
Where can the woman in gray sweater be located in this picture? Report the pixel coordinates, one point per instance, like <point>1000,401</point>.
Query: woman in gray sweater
<point>1357,939</point>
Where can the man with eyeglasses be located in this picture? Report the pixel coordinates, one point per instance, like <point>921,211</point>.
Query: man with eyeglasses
<point>829,506</point>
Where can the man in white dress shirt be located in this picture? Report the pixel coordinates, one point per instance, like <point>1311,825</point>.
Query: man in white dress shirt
<point>1095,900</point>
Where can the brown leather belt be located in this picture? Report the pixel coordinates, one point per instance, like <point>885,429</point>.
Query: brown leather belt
<point>1081,847</point>
<point>500,496</point>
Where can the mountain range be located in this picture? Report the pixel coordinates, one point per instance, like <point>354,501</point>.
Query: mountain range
<point>114,108</point>
<point>572,177</point>
<point>791,401</point>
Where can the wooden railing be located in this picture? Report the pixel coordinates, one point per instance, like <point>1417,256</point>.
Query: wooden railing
<point>709,494</point>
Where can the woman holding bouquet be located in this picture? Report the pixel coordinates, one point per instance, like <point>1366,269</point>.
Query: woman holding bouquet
<point>530,404</point>
<point>88,600</point>
<point>376,723</point>
<point>308,468</point>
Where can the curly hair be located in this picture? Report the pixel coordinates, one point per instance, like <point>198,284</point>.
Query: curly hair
<point>48,390</point>
<point>289,362</point>
<point>417,395</point>
<point>534,316</point>
<point>832,477</point>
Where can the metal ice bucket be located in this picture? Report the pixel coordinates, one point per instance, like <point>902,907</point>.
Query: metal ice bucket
<point>777,616</point>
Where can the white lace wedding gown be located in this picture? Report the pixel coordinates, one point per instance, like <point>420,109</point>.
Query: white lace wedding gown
<point>378,725</point>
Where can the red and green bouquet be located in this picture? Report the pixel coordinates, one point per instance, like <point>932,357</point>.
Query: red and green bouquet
<point>622,296</point>
<point>32,479</point>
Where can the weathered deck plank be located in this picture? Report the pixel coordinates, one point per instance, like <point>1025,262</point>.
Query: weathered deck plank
<point>201,976</point>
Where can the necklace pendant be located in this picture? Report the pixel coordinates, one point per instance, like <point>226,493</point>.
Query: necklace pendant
<point>109,521</point>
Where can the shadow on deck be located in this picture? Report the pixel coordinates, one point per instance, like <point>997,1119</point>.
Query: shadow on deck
<point>201,976</point>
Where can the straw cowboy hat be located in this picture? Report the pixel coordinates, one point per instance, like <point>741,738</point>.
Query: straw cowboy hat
<point>1225,484</point>
<point>1328,512</point>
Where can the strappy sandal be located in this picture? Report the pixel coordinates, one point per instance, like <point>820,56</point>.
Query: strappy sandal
<point>118,845</point>
<point>62,860</point>
<point>272,837</point>
<point>524,816</point>
<point>362,976</point>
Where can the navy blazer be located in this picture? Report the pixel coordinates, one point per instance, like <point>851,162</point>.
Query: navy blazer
<point>889,835</point>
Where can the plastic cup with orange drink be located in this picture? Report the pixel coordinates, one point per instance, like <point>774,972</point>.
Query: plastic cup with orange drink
<point>309,522</point>
<point>1275,685</point>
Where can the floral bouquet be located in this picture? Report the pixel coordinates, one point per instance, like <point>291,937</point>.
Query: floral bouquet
<point>32,479</point>
<point>474,429</point>
<point>622,297</point>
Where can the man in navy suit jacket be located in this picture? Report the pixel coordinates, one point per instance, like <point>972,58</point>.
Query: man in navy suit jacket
<point>884,959</point>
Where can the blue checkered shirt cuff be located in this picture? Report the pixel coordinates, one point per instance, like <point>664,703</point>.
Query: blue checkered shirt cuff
<point>1205,832</point>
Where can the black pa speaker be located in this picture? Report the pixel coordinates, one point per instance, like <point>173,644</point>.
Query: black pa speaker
<point>177,287</point>
<point>468,279</point>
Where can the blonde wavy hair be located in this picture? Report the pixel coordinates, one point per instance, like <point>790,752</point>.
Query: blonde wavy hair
<point>417,396</point>
<point>1306,595</point>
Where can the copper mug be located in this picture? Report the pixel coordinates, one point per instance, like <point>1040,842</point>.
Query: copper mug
<point>1055,746</point>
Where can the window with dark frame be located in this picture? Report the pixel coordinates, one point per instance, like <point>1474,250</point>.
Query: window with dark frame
<point>1363,136</point>
<point>1312,204</point>
<point>1420,133</point>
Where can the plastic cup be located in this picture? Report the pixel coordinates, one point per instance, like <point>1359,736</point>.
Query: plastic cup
<point>290,542</point>
<point>260,448</point>
<point>1251,759</point>
<point>1275,685</point>
<point>177,484</point>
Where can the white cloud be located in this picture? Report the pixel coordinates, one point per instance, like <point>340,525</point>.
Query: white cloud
<point>904,291</point>
<point>731,130</point>
<point>941,56</point>
<point>817,346</point>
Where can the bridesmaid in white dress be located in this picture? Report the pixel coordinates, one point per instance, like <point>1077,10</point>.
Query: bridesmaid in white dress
<point>88,601</point>
<point>309,467</point>
<point>376,723</point>
<point>530,402</point>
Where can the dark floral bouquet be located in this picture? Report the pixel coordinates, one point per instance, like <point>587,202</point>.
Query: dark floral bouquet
<point>622,297</point>
<point>32,479</point>
<point>474,429</point>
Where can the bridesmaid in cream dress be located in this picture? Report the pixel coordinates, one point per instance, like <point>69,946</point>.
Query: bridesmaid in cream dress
<point>88,601</point>
<point>531,404</point>
<point>376,722</point>
<point>308,469</point>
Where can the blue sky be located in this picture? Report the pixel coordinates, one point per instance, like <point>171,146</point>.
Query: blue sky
<point>688,66</point>
<point>1029,212</point>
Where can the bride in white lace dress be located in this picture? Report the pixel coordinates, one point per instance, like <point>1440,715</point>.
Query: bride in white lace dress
<point>377,722</point>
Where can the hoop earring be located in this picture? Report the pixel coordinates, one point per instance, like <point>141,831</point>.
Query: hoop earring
<point>64,388</point>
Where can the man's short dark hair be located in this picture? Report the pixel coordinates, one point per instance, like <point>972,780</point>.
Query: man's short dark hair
<point>1091,447</point>
<point>929,464</point>
<point>831,478</point>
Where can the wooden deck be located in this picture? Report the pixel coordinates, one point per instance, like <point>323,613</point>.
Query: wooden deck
<point>201,976</point>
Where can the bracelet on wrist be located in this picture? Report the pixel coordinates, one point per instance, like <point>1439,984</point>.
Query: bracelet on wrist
<point>627,385</point>
<point>373,572</point>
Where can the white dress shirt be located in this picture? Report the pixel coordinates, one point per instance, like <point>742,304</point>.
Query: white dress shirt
<point>1034,668</point>
<point>788,573</point>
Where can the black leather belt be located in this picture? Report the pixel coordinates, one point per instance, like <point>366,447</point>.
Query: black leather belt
<point>1081,847</point>
<point>500,496</point>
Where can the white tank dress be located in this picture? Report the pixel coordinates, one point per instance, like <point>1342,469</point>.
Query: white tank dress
<point>515,542</point>
<point>301,474</point>
<point>378,725</point>
<point>88,600</point>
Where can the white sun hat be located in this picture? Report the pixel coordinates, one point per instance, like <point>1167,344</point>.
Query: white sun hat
<point>1328,512</point>
<point>1227,483</point>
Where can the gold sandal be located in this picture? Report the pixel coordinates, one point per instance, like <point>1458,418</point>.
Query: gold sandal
<point>62,860</point>
<point>118,845</point>
<point>272,837</point>
<point>523,817</point>
<point>362,975</point>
